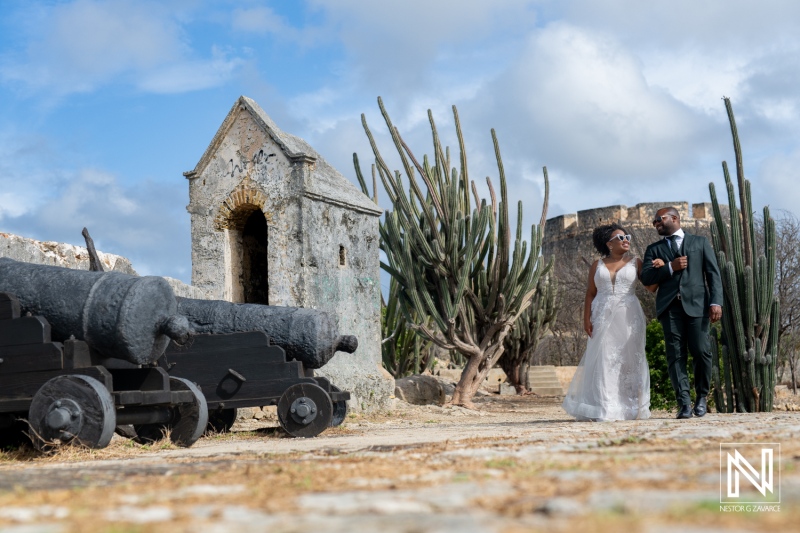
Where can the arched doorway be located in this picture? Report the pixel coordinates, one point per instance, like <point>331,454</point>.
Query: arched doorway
<point>255,259</point>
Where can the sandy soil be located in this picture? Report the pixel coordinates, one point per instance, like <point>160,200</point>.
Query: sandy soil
<point>516,464</point>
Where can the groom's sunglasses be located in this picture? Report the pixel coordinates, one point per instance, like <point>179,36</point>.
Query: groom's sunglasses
<point>660,219</point>
<point>620,238</point>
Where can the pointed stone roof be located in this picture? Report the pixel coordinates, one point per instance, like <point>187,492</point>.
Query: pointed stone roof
<point>326,184</point>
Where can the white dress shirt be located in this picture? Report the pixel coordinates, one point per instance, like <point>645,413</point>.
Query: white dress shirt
<point>677,237</point>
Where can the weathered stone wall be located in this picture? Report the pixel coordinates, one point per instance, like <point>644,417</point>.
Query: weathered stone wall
<point>57,254</point>
<point>341,269</point>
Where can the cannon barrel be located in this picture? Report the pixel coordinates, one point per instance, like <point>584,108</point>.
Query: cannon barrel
<point>119,315</point>
<point>306,335</point>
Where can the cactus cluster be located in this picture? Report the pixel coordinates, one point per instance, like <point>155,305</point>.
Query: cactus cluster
<point>750,315</point>
<point>403,352</point>
<point>462,282</point>
<point>524,337</point>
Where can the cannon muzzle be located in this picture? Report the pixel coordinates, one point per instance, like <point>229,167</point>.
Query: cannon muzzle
<point>306,335</point>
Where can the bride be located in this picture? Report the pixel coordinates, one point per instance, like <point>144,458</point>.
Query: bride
<point>612,381</point>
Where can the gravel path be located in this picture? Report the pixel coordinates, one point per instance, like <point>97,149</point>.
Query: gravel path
<point>517,464</point>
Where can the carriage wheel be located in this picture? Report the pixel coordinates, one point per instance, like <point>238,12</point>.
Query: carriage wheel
<point>188,423</point>
<point>305,410</point>
<point>72,409</point>
<point>190,419</point>
<point>339,409</point>
<point>221,420</point>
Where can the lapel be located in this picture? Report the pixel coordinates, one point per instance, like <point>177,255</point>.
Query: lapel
<point>687,238</point>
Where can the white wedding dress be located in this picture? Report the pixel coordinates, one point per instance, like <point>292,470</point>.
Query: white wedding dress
<point>612,381</point>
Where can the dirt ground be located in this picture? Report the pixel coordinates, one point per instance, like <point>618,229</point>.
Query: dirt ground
<point>516,464</point>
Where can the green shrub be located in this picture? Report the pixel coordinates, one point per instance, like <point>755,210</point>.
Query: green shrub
<point>662,395</point>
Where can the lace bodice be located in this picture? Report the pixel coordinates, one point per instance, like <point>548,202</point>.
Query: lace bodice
<point>620,283</point>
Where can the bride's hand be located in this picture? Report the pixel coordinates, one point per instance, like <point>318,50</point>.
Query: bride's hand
<point>658,263</point>
<point>587,327</point>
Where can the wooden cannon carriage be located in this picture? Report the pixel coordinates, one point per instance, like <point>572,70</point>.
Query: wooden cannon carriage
<point>90,356</point>
<point>243,369</point>
<point>58,392</point>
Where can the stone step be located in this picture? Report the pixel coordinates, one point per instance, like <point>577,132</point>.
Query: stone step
<point>548,391</point>
<point>545,383</point>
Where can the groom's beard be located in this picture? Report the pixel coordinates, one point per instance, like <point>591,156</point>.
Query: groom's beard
<point>664,231</point>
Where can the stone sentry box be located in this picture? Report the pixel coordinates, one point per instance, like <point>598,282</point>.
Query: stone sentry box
<point>273,223</point>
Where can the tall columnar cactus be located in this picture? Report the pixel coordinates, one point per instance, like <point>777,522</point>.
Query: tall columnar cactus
<point>750,315</point>
<point>403,351</point>
<point>456,265</point>
<point>527,331</point>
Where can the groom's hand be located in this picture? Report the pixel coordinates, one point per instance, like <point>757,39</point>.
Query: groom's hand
<point>715,313</point>
<point>679,263</point>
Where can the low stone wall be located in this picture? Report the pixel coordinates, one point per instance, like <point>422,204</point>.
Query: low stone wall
<point>58,254</point>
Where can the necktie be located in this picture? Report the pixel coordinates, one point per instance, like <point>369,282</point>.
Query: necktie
<point>673,244</point>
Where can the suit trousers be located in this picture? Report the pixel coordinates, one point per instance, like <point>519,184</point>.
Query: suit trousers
<point>684,334</point>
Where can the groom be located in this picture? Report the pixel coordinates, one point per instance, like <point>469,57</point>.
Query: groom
<point>689,294</point>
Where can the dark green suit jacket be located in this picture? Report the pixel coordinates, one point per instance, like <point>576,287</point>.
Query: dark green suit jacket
<point>699,284</point>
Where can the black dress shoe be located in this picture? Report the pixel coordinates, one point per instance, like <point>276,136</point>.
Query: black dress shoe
<point>685,411</point>
<point>700,407</point>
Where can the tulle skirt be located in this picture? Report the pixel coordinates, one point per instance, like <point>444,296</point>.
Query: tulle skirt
<point>612,381</point>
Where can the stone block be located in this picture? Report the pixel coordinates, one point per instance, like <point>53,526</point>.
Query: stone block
<point>507,389</point>
<point>420,390</point>
<point>450,374</point>
<point>494,378</point>
<point>246,413</point>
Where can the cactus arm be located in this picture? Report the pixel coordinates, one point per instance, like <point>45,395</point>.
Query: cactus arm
<point>746,216</point>
<point>712,274</point>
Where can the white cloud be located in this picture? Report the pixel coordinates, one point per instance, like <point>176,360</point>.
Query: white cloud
<point>776,182</point>
<point>190,75</point>
<point>79,46</point>
<point>581,100</point>
<point>621,102</point>
<point>42,199</point>
<point>25,172</point>
<point>263,20</point>
<point>400,46</point>
<point>145,222</point>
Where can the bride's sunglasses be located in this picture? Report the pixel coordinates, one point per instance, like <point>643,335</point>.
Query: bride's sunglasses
<point>620,238</point>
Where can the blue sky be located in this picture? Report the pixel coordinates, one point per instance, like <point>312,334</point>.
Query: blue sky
<point>104,104</point>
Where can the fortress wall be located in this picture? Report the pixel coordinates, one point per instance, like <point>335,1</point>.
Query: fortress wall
<point>569,236</point>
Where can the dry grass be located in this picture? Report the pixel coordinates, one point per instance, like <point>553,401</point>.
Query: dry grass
<point>272,483</point>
